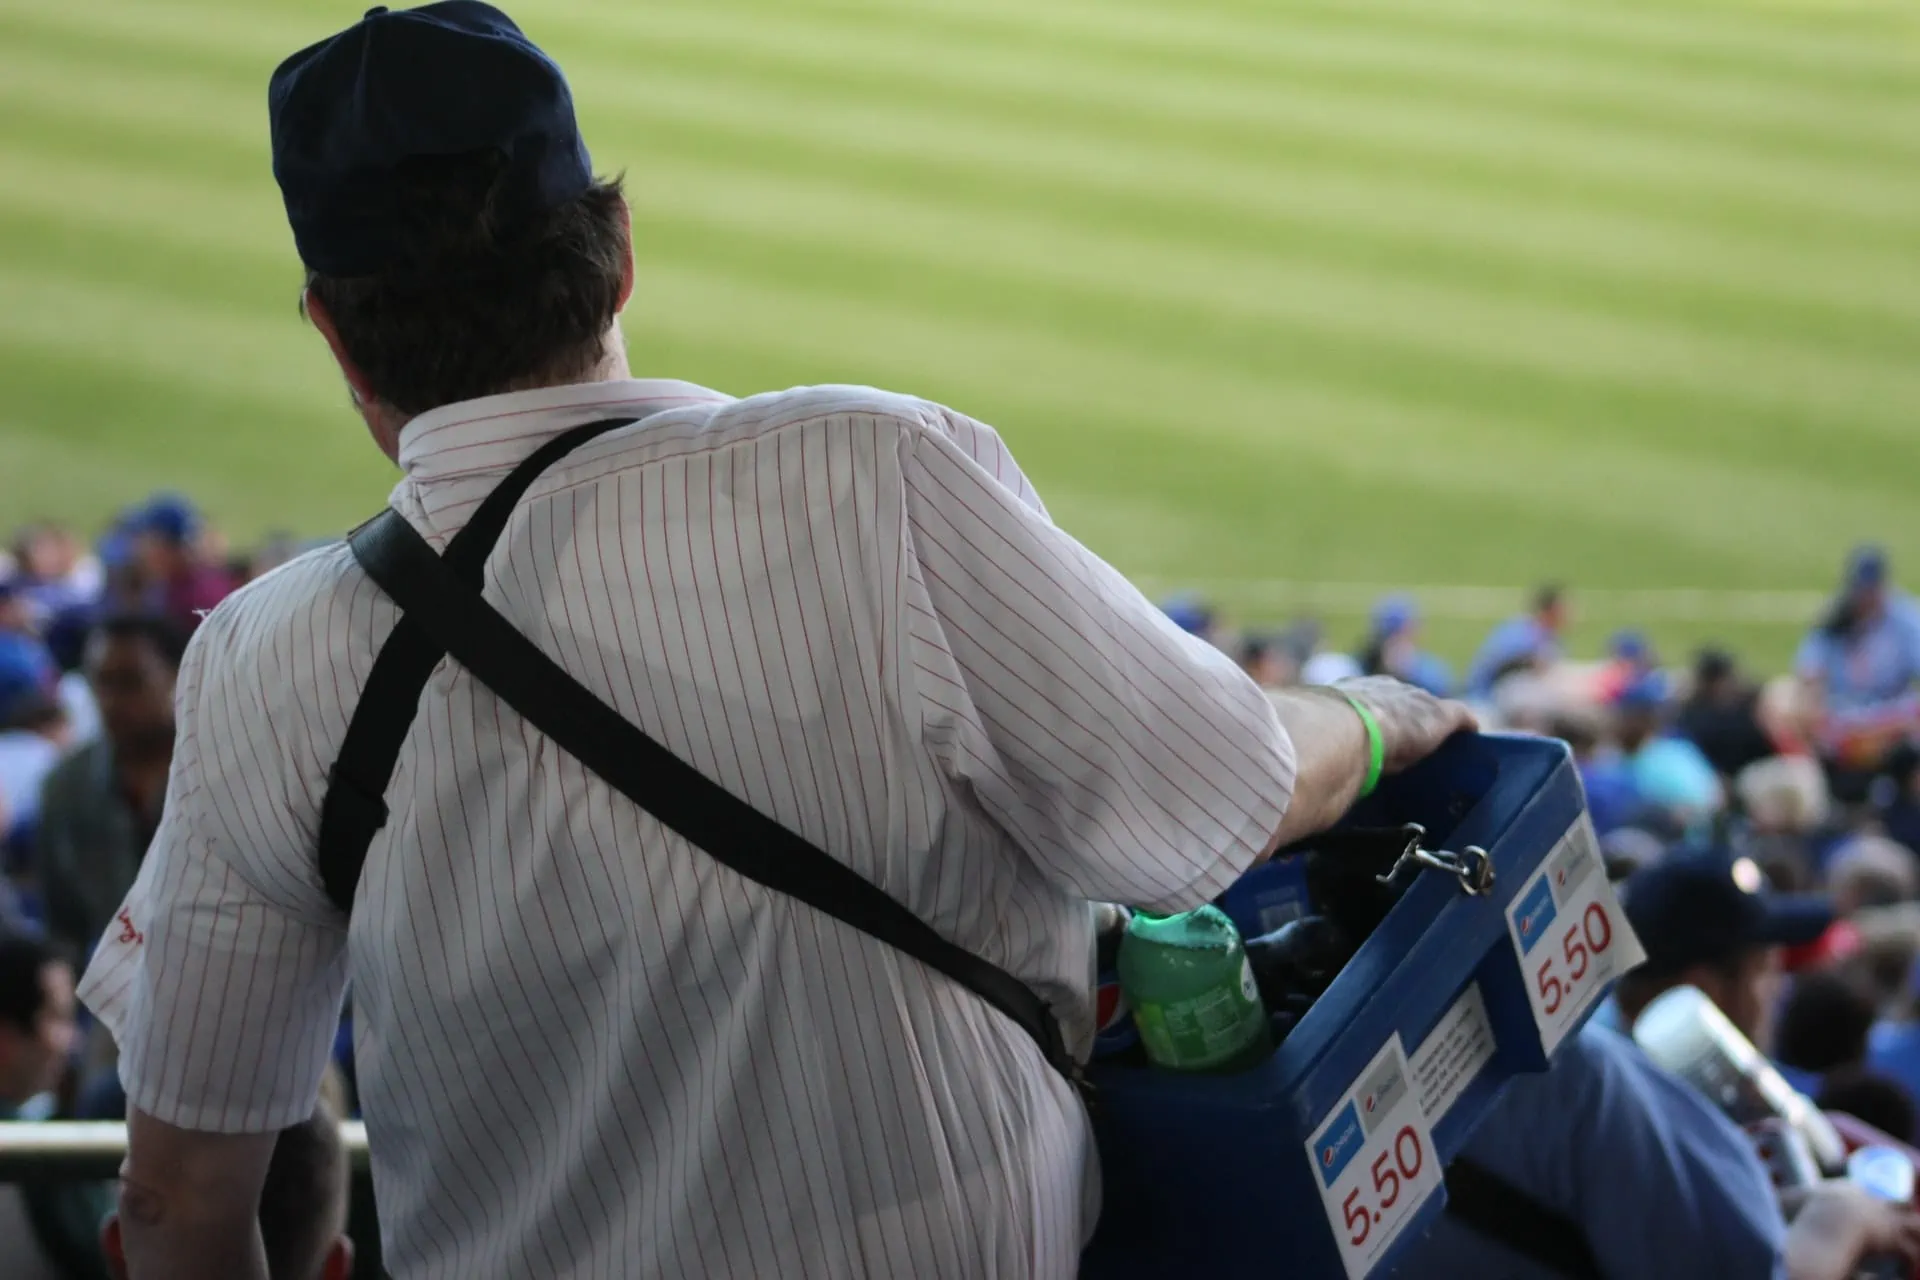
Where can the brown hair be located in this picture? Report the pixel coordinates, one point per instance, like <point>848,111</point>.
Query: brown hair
<point>485,298</point>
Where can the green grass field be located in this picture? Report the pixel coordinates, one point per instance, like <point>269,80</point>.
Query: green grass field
<point>1437,292</point>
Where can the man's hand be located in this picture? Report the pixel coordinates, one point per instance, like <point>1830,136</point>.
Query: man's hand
<point>1413,723</point>
<point>1840,1225</point>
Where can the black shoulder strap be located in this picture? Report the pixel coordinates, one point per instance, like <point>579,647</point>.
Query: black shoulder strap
<point>355,807</point>
<point>453,618</point>
<point>1488,1203</point>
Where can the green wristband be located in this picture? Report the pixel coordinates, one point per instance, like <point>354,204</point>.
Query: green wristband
<point>1376,745</point>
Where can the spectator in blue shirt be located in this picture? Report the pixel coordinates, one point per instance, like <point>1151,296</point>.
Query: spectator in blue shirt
<point>1656,1179</point>
<point>1524,643</point>
<point>1643,1170</point>
<point>1393,649</point>
<point>1613,801</point>
<point>1677,790</point>
<point>26,668</point>
<point>1893,1046</point>
<point>54,575</point>
<point>1858,668</point>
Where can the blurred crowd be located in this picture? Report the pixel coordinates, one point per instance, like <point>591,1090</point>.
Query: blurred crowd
<point>91,639</point>
<point>1810,776</point>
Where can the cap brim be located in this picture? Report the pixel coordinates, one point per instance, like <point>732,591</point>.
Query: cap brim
<point>1794,919</point>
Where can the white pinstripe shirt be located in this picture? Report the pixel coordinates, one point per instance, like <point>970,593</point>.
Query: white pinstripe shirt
<point>587,1049</point>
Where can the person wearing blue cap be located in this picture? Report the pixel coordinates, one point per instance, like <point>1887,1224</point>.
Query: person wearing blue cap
<point>720,826</point>
<point>1630,661</point>
<point>1525,643</point>
<point>1393,648</point>
<point>1675,786</point>
<point>1859,669</point>
<point>1605,1167</point>
<point>179,581</point>
<point>1190,613</point>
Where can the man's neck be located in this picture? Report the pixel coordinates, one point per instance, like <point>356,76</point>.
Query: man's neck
<point>388,424</point>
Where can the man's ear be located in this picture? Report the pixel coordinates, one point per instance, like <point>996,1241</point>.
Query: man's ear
<point>626,277</point>
<point>323,321</point>
<point>112,1249</point>
<point>339,1263</point>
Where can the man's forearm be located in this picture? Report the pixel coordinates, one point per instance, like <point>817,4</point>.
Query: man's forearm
<point>1330,754</point>
<point>1824,1240</point>
<point>190,1202</point>
<point>171,1245</point>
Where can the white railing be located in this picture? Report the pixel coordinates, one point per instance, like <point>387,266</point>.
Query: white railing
<point>92,1149</point>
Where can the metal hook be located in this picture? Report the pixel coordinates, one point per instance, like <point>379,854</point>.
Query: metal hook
<point>1472,868</point>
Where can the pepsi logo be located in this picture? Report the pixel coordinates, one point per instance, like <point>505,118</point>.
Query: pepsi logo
<point>1327,1156</point>
<point>1367,1106</point>
<point>1109,1006</point>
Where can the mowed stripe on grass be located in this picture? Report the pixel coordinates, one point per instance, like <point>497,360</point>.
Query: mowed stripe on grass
<point>1473,290</point>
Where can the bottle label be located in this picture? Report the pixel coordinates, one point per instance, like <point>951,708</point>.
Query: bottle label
<point>1203,1030</point>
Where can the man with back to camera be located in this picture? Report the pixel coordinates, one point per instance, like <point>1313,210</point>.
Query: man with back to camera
<point>585,1046</point>
<point>1643,1170</point>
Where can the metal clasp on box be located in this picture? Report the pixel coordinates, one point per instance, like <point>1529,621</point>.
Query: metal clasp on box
<point>1471,866</point>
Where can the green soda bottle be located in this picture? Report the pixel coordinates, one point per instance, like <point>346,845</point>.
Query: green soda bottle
<point>1192,992</point>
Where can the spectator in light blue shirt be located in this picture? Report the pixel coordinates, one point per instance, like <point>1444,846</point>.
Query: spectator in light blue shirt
<point>1674,785</point>
<point>1860,665</point>
<point>1524,643</point>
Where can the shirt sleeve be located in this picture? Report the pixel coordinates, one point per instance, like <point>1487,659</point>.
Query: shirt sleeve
<point>221,977</point>
<point>1131,761</point>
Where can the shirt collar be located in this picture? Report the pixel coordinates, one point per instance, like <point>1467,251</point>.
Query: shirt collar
<point>496,432</point>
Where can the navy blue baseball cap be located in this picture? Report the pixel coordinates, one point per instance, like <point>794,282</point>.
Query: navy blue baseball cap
<point>1629,646</point>
<point>169,516</point>
<point>1700,905</point>
<point>1189,613</point>
<point>1394,615</point>
<point>442,80</point>
<point>1866,568</point>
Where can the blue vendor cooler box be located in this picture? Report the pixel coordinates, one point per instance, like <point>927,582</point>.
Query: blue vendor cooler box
<point>1214,1175</point>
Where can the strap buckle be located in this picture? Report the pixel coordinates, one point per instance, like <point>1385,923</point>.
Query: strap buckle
<point>353,802</point>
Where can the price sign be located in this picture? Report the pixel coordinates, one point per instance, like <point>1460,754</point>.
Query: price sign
<point>1571,936</point>
<point>1376,1161</point>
